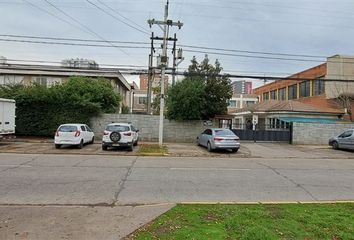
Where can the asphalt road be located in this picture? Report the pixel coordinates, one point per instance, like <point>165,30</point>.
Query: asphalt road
<point>84,197</point>
<point>131,180</point>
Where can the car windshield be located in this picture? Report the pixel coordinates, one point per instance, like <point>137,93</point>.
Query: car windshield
<point>117,128</point>
<point>223,132</point>
<point>68,129</point>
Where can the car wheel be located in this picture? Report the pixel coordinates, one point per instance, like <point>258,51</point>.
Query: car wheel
<point>104,147</point>
<point>81,144</point>
<point>209,147</point>
<point>198,144</point>
<point>335,145</point>
<point>57,146</point>
<point>93,140</point>
<point>234,150</point>
<point>136,143</point>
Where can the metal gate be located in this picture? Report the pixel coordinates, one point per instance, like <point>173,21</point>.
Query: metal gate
<point>264,133</point>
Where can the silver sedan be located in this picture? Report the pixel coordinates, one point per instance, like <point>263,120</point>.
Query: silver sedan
<point>343,141</point>
<point>219,138</point>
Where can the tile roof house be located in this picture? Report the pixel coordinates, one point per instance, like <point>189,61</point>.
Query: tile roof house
<point>278,114</point>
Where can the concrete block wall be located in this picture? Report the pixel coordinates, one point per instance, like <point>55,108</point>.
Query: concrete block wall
<point>148,125</point>
<point>317,134</point>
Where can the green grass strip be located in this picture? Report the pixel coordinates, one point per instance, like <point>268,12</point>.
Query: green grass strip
<point>253,222</point>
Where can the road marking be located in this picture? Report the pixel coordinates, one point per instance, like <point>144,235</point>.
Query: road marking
<point>212,169</point>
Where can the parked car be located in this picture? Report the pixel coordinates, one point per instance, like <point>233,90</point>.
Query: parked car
<point>219,138</point>
<point>73,134</point>
<point>344,140</point>
<point>7,118</point>
<point>120,135</point>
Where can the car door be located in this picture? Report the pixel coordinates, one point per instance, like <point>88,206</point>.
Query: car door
<point>344,140</point>
<point>84,133</point>
<point>202,138</point>
<point>207,136</point>
<point>351,141</point>
<point>90,133</point>
<point>135,133</point>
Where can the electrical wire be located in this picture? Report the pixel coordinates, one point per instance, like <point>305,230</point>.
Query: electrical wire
<point>73,44</point>
<point>84,26</point>
<point>70,39</point>
<point>121,15</point>
<point>53,15</point>
<point>108,13</point>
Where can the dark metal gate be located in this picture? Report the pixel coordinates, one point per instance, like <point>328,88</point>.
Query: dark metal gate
<point>264,133</point>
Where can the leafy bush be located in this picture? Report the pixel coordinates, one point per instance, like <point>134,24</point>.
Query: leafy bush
<point>40,110</point>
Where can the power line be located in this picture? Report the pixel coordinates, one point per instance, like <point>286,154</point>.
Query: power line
<point>108,13</point>
<point>131,69</point>
<point>112,9</point>
<point>73,44</point>
<point>192,51</point>
<point>70,39</point>
<point>254,52</point>
<point>185,46</point>
<point>84,26</point>
<point>53,15</point>
<point>250,56</point>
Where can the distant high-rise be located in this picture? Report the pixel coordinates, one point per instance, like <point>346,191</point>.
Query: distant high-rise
<point>241,87</point>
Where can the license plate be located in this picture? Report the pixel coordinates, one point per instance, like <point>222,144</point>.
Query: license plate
<point>115,145</point>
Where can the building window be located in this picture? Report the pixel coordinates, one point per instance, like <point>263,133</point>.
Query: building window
<point>266,96</point>
<point>250,103</point>
<point>292,92</point>
<point>232,103</point>
<point>142,100</point>
<point>273,95</point>
<point>276,124</point>
<point>237,123</point>
<point>10,80</point>
<point>318,87</point>
<point>305,89</point>
<point>282,94</point>
<point>40,81</point>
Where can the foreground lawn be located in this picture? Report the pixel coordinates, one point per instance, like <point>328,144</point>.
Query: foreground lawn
<point>253,222</point>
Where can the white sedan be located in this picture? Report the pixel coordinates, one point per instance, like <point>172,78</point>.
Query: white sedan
<point>73,134</point>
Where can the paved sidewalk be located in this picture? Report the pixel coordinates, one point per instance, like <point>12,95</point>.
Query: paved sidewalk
<point>74,222</point>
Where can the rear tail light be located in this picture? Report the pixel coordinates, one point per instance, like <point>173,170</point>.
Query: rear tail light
<point>105,133</point>
<point>218,139</point>
<point>77,133</point>
<point>127,134</point>
<point>237,139</point>
<point>57,133</point>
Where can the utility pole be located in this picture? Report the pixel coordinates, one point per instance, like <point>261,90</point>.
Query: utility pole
<point>163,62</point>
<point>174,60</point>
<point>150,74</point>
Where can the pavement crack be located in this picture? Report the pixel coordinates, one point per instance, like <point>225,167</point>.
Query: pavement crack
<point>20,165</point>
<point>122,182</point>
<point>289,179</point>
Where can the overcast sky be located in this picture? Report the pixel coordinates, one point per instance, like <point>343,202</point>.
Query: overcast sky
<point>309,27</point>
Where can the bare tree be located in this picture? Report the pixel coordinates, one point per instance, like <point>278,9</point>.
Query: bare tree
<point>345,97</point>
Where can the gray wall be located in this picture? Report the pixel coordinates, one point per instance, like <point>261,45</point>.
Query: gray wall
<point>316,134</point>
<point>174,131</point>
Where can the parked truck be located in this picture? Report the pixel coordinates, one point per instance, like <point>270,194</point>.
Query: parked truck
<point>7,118</point>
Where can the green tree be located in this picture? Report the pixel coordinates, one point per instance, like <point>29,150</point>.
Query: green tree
<point>40,110</point>
<point>185,101</point>
<point>209,100</point>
